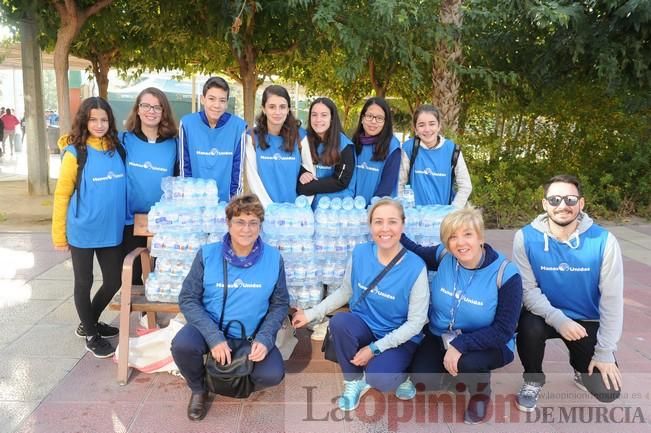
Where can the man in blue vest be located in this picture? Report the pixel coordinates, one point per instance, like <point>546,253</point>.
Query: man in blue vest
<point>573,279</point>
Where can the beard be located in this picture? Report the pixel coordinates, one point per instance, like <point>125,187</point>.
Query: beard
<point>562,223</point>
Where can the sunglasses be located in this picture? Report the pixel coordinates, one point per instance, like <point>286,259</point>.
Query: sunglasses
<point>570,200</point>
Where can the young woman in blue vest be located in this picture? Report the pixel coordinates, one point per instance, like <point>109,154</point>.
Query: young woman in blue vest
<point>257,297</point>
<point>431,175</point>
<point>475,301</point>
<point>273,159</point>
<point>150,142</point>
<point>377,150</point>
<point>376,340</point>
<point>88,216</point>
<point>211,141</point>
<point>332,153</point>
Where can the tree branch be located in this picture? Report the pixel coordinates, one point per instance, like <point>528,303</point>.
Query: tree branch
<point>92,10</point>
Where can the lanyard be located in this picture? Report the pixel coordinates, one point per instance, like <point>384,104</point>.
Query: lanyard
<point>458,291</point>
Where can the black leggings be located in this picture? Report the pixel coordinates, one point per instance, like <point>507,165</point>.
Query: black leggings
<point>533,333</point>
<point>129,243</point>
<point>110,262</point>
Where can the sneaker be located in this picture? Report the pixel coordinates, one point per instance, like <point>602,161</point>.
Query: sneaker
<point>99,347</point>
<point>528,396</point>
<point>578,381</point>
<point>477,410</point>
<point>406,390</point>
<point>319,331</point>
<point>353,392</point>
<point>103,329</point>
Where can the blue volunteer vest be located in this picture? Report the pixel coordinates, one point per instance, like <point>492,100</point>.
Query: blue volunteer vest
<point>368,173</point>
<point>249,289</point>
<point>211,150</point>
<point>147,163</point>
<point>102,205</point>
<point>386,307</point>
<point>325,171</point>
<point>431,176</point>
<point>279,169</point>
<point>568,277</point>
<point>475,292</point>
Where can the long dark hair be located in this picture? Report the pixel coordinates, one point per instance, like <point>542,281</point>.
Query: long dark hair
<point>167,126</point>
<point>79,133</point>
<point>289,130</point>
<point>331,139</point>
<point>381,147</point>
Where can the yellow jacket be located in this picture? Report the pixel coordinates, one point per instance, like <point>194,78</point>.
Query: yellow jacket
<point>65,187</point>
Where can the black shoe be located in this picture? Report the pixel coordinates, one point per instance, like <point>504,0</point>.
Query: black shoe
<point>477,409</point>
<point>198,406</point>
<point>103,329</point>
<point>99,347</point>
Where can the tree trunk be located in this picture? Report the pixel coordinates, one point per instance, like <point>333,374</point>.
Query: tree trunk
<point>65,36</point>
<point>35,140</point>
<point>249,80</point>
<point>72,19</point>
<point>101,65</point>
<point>445,83</point>
<point>378,86</point>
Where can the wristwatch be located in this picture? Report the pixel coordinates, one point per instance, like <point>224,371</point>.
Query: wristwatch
<point>374,349</point>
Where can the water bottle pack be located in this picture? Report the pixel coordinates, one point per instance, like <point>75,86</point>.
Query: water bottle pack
<point>340,226</point>
<point>315,246</point>
<point>423,223</point>
<point>290,228</point>
<point>187,217</point>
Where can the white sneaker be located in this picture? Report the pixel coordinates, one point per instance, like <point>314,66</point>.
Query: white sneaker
<point>319,331</point>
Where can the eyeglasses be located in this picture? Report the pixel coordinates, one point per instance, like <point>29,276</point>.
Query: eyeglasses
<point>570,200</point>
<point>148,107</point>
<point>240,224</point>
<point>371,118</point>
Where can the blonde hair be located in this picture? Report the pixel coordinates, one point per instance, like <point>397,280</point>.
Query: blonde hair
<point>467,217</point>
<point>386,201</point>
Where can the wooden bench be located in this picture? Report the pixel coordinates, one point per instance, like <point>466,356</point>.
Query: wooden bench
<point>132,298</point>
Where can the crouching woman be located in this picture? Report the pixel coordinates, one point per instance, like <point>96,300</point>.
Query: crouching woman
<point>388,297</point>
<point>257,297</point>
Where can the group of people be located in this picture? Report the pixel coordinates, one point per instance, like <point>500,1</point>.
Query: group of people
<point>8,124</point>
<point>282,160</point>
<point>566,282</point>
<point>432,318</point>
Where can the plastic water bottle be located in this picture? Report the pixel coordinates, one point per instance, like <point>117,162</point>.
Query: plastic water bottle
<point>301,202</point>
<point>347,204</point>
<point>408,197</point>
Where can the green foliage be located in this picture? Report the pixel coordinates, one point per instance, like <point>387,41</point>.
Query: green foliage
<point>578,129</point>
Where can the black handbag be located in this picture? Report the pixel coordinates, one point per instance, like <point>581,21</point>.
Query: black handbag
<point>233,379</point>
<point>328,346</point>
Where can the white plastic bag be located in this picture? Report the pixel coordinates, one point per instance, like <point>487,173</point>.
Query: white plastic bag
<point>150,352</point>
<point>286,339</point>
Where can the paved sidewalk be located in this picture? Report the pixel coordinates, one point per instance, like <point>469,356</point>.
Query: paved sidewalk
<point>49,384</point>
